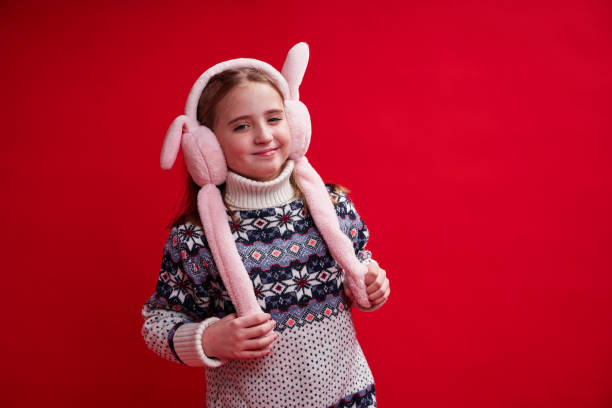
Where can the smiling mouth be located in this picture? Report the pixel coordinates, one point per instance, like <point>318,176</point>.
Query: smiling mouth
<point>267,152</point>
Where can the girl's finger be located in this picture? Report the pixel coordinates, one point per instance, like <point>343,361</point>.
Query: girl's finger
<point>252,320</point>
<point>370,276</point>
<point>380,279</point>
<point>383,298</point>
<point>382,275</point>
<point>260,330</point>
<point>370,289</point>
<point>261,343</point>
<point>380,291</point>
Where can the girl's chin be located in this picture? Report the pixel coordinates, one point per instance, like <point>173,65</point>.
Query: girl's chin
<point>262,174</point>
<point>267,176</point>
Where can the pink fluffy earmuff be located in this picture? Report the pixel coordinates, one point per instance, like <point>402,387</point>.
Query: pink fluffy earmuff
<point>205,163</point>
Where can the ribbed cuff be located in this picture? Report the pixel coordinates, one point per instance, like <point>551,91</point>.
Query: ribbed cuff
<point>188,344</point>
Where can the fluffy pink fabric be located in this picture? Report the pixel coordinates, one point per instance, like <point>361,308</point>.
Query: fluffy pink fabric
<point>172,142</point>
<point>326,220</point>
<point>203,157</point>
<point>298,119</point>
<point>191,107</point>
<point>295,67</point>
<point>235,277</point>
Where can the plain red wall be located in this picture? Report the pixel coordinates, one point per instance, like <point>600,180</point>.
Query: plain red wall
<point>475,137</point>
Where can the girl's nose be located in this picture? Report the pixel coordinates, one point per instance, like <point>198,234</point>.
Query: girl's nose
<point>263,135</point>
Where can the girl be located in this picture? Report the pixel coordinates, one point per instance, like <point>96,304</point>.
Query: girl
<point>259,274</point>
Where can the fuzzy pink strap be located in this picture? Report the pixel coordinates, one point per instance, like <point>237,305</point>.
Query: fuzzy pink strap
<point>224,251</point>
<point>326,220</point>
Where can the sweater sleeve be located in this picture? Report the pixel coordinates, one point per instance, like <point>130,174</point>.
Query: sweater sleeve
<point>352,225</point>
<point>179,311</point>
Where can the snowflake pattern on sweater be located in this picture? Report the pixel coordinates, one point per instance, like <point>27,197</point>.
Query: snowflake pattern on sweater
<point>316,361</point>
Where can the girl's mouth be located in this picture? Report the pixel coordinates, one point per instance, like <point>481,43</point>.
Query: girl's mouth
<point>266,153</point>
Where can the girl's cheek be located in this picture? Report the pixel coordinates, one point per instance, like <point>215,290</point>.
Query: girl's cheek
<point>240,146</point>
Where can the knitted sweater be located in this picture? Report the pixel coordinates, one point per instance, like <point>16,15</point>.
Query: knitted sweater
<point>316,360</point>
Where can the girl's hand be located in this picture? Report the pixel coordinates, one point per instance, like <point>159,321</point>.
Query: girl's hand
<point>239,337</point>
<point>377,286</point>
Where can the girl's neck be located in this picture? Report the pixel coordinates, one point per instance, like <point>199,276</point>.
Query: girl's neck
<point>242,193</point>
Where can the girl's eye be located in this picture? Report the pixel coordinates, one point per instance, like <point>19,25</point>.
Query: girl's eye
<point>274,119</point>
<point>240,127</point>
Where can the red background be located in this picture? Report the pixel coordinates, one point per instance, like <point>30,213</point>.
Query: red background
<point>475,137</point>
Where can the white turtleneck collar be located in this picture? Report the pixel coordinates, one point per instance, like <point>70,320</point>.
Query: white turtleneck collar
<point>242,193</point>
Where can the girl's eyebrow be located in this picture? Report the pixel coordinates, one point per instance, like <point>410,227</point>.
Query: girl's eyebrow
<point>268,112</point>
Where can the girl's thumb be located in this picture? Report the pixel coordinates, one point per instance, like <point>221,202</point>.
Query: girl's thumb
<point>370,277</point>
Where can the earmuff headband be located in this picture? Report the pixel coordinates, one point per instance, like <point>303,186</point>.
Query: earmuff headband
<point>191,107</point>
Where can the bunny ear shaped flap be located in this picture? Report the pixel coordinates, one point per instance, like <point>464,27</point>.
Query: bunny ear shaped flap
<point>295,67</point>
<point>172,141</point>
<point>203,156</point>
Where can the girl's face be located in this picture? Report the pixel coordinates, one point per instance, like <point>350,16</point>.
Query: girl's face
<point>252,130</point>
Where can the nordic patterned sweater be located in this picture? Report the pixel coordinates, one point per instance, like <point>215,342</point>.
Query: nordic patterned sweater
<point>316,360</point>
